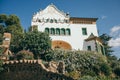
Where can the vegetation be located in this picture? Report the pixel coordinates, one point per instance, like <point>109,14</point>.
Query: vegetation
<point>36,42</point>
<point>87,65</point>
<point>80,65</point>
<point>11,24</point>
<point>1,61</point>
<point>105,38</point>
<point>24,55</point>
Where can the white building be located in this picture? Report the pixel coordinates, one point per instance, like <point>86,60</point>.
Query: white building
<point>67,32</point>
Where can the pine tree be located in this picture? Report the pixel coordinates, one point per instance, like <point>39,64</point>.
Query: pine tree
<point>106,38</point>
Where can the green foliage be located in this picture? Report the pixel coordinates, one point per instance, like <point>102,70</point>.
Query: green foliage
<point>106,69</point>
<point>117,71</point>
<point>73,74</point>
<point>16,41</point>
<point>1,39</point>
<point>105,38</point>
<point>12,20</point>
<point>115,65</point>
<point>1,61</point>
<point>1,29</point>
<point>11,24</point>
<point>86,62</point>
<point>1,50</point>
<point>96,78</point>
<point>37,42</point>
<point>24,55</point>
<point>88,78</point>
<point>3,18</point>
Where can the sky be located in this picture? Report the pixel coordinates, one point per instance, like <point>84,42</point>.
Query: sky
<point>107,12</point>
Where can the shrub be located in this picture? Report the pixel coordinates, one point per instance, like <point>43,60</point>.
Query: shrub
<point>74,74</point>
<point>79,61</point>
<point>117,71</point>
<point>106,69</point>
<point>1,63</point>
<point>87,78</point>
<point>24,55</point>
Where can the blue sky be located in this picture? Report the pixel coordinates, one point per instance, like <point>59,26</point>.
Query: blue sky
<point>107,12</point>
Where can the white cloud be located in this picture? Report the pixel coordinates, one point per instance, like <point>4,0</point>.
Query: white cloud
<point>116,52</point>
<point>103,17</point>
<point>115,33</point>
<point>115,42</point>
<point>115,29</point>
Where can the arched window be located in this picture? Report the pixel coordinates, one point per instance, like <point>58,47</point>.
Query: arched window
<point>47,20</point>
<point>51,20</point>
<point>39,20</point>
<point>57,31</point>
<point>52,31</point>
<point>68,32</point>
<point>47,30</point>
<point>66,21</point>
<point>55,21</point>
<point>62,32</point>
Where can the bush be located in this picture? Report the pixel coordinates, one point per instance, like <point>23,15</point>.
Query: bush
<point>89,72</point>
<point>87,78</point>
<point>74,74</point>
<point>1,63</point>
<point>117,71</point>
<point>24,55</point>
<point>106,69</point>
<point>79,61</point>
<point>36,42</point>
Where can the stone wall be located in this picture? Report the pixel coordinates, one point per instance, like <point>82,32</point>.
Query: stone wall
<point>29,70</point>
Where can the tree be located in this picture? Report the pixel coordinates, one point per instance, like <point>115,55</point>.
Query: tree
<point>2,29</point>
<point>3,18</point>
<point>106,38</point>
<point>12,20</point>
<point>37,42</point>
<point>17,35</point>
<point>11,24</point>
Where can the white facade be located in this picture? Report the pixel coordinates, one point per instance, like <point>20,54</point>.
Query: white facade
<point>51,18</point>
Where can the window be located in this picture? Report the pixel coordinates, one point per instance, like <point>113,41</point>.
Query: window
<point>57,31</point>
<point>67,31</point>
<point>39,20</point>
<point>55,21</point>
<point>47,30</point>
<point>47,20</point>
<point>62,31</point>
<point>66,21</point>
<point>51,20</point>
<point>84,31</point>
<point>52,31</point>
<point>89,48</point>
